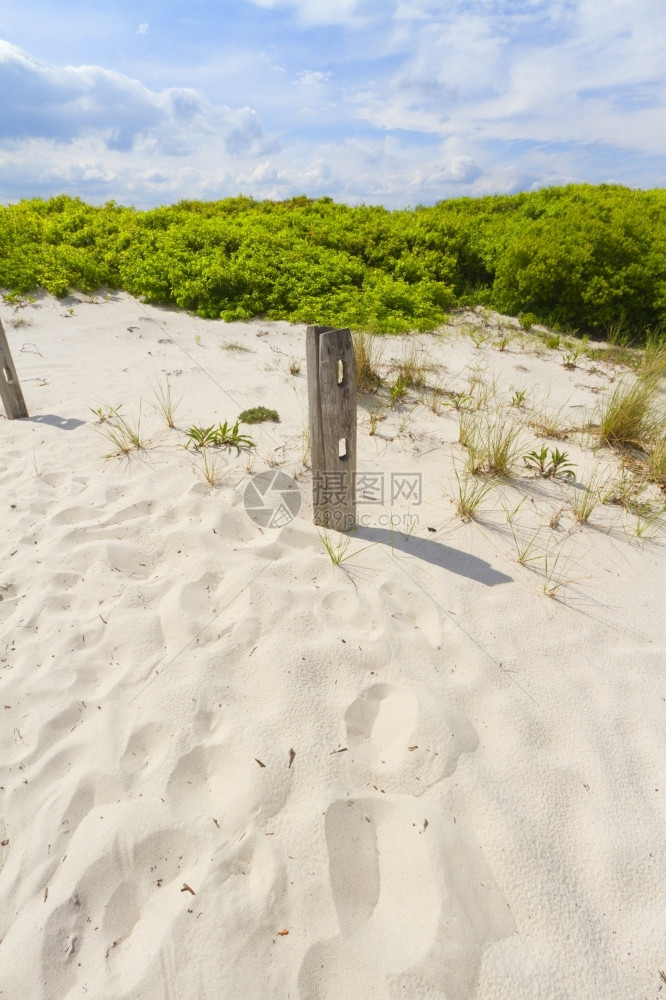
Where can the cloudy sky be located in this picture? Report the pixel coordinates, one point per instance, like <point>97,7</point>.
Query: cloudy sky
<point>397,102</point>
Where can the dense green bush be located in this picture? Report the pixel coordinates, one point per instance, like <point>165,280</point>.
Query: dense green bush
<point>584,257</point>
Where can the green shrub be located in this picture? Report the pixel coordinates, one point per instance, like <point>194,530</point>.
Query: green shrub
<point>258,414</point>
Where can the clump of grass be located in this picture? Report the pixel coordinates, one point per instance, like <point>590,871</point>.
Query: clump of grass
<point>211,469</point>
<point>258,415</point>
<point>163,403</point>
<point>470,493</point>
<point>627,416</point>
<point>656,463</point>
<point>518,398</point>
<point>337,551</point>
<point>653,365</point>
<point>234,345</point>
<point>122,433</point>
<point>436,401</point>
<point>503,342</point>
<point>502,447</point>
<point>398,390</point>
<point>295,366</point>
<point>368,356</point>
<point>555,571</point>
<point>413,369</point>
<point>588,497</point>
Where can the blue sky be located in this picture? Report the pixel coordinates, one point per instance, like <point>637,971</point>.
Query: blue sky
<point>396,102</point>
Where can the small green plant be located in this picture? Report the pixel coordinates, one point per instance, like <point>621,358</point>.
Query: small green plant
<point>436,400</point>
<point>470,494</point>
<point>525,546</point>
<point>457,400</point>
<point>552,341</point>
<point>122,434</point>
<point>588,497</point>
<point>337,551</point>
<point>527,320</point>
<point>104,413</point>
<point>503,342</point>
<point>570,358</point>
<point>398,390</point>
<point>557,465</point>
<point>210,470</point>
<point>201,436</point>
<point>414,368</point>
<point>163,403</point>
<point>648,523</point>
<point>224,435</point>
<point>197,339</point>
<point>518,398</point>
<point>259,415</point>
<point>555,572</point>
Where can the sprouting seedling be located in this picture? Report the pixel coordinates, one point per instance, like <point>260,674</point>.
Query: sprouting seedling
<point>557,465</point>
<point>224,435</point>
<point>398,390</point>
<point>518,398</point>
<point>201,436</point>
<point>570,358</point>
<point>106,412</point>
<point>457,400</point>
<point>197,339</point>
<point>229,436</point>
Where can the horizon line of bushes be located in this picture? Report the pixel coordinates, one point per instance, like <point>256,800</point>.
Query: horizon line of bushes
<point>590,259</point>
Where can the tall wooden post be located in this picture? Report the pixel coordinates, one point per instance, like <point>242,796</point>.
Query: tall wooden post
<point>10,387</point>
<point>332,403</point>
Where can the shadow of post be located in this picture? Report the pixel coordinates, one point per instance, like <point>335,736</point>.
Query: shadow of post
<point>437,554</point>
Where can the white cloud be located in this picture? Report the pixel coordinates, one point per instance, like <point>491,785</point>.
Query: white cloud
<point>64,104</point>
<point>142,29</point>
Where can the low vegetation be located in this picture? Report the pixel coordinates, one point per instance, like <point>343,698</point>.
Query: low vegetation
<point>578,257</point>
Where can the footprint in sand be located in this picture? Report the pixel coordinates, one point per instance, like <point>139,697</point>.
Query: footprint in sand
<point>414,898</point>
<point>217,781</point>
<point>404,739</point>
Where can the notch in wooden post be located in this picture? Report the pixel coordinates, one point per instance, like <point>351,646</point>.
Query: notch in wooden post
<point>10,387</point>
<point>332,403</point>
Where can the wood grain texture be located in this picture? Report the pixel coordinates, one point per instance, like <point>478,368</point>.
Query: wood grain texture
<point>10,387</point>
<point>332,404</point>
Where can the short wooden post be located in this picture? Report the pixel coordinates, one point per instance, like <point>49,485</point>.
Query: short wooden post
<point>332,403</point>
<point>10,387</point>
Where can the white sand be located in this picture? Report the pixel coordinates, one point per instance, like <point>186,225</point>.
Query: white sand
<point>494,823</point>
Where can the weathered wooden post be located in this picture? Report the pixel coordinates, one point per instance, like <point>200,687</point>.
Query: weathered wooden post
<point>332,403</point>
<point>10,387</point>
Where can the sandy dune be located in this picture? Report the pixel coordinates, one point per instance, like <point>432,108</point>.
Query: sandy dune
<point>232,769</point>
